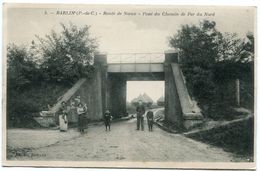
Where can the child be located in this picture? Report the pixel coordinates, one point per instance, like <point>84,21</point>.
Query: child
<point>107,119</point>
<point>149,116</point>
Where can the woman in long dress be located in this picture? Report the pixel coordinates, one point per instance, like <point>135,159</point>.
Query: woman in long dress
<point>81,111</point>
<point>63,120</point>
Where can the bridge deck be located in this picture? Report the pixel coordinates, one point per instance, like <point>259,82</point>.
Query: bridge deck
<point>135,67</point>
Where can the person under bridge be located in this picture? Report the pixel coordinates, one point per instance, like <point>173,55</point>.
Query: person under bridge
<point>140,109</point>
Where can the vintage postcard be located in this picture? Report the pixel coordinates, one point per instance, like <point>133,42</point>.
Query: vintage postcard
<point>129,86</point>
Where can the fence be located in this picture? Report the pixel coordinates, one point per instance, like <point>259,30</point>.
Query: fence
<point>135,58</point>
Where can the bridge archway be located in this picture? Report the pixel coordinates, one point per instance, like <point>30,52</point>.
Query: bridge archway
<point>117,89</point>
<point>179,108</point>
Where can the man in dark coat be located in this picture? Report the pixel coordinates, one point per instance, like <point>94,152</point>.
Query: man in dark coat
<point>149,116</point>
<point>140,109</point>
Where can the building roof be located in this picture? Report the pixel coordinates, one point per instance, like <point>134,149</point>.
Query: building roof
<point>144,98</point>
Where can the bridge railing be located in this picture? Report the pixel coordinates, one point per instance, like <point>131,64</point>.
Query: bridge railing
<point>132,58</point>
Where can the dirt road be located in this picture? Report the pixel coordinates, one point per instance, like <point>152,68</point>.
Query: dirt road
<point>124,143</point>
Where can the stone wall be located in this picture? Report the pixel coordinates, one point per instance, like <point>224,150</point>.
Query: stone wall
<point>173,112</point>
<point>179,108</point>
<point>116,94</point>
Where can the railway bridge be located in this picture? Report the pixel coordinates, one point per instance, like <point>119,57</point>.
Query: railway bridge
<point>107,89</point>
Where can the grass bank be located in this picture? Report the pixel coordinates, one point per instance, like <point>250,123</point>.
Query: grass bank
<point>236,136</point>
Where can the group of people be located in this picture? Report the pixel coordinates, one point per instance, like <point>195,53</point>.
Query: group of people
<point>140,109</point>
<point>79,109</point>
<point>82,112</point>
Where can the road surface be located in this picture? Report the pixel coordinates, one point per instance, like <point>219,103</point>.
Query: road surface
<point>125,143</point>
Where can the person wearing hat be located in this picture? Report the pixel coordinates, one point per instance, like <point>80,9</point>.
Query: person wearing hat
<point>140,109</point>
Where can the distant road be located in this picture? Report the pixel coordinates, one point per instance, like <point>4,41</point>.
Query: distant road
<point>158,111</point>
<point>155,111</point>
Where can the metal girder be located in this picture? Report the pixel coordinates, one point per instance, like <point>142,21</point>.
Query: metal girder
<point>135,67</point>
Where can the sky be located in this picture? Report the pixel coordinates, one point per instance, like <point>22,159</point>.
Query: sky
<point>124,34</point>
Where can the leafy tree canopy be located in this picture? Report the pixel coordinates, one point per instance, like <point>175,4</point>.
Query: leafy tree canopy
<point>198,45</point>
<point>21,70</point>
<point>68,55</point>
<point>38,74</point>
<point>210,58</point>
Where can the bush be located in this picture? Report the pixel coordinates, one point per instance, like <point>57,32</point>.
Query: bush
<point>223,112</point>
<point>130,108</point>
<point>31,101</point>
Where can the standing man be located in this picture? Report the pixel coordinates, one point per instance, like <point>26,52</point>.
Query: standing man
<point>140,109</point>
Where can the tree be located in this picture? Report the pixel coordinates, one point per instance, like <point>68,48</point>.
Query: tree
<point>40,73</point>
<point>21,75</point>
<point>67,55</point>
<point>198,51</point>
<point>198,45</point>
<point>21,70</point>
<point>248,48</point>
<point>229,47</point>
<point>210,60</point>
<point>234,49</point>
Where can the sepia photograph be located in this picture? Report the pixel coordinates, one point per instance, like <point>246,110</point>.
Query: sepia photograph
<point>129,86</point>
